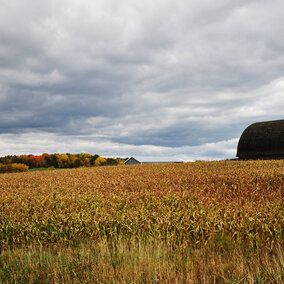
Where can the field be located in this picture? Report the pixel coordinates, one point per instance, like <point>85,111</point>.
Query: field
<point>197,222</point>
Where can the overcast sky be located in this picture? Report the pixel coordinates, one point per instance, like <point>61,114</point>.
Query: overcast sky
<point>161,79</point>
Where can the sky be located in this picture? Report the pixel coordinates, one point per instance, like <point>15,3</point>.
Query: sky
<point>157,80</point>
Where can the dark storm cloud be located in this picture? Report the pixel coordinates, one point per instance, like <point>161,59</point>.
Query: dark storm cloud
<point>164,73</point>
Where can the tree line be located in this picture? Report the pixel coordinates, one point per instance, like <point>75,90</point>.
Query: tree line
<point>60,160</point>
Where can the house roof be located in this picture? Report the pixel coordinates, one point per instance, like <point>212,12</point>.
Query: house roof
<point>132,159</point>
<point>149,162</point>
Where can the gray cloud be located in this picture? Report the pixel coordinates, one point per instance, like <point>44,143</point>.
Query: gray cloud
<point>161,73</point>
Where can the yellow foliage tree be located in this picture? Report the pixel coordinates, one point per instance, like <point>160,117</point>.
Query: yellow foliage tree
<point>100,161</point>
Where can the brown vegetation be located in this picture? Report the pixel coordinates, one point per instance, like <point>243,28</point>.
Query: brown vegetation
<point>13,168</point>
<point>196,218</point>
<point>190,204</point>
<point>140,263</point>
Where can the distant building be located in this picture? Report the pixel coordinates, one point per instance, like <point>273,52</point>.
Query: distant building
<point>161,162</point>
<point>132,161</point>
<point>262,140</point>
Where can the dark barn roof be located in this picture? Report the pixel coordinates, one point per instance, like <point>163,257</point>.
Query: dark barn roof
<point>262,140</point>
<point>132,161</point>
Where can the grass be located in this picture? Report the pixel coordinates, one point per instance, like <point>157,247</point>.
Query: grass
<point>188,204</point>
<point>140,263</point>
<point>38,169</point>
<point>43,169</point>
<point>202,222</point>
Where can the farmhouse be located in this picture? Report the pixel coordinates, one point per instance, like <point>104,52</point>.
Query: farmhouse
<point>132,161</point>
<point>262,140</point>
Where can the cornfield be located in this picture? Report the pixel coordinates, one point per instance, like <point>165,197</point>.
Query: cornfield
<point>228,203</point>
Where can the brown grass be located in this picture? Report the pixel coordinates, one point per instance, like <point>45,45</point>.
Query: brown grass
<point>140,263</point>
<point>214,218</point>
<point>192,204</point>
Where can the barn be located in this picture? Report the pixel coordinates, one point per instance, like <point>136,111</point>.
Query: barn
<point>132,161</point>
<point>262,140</point>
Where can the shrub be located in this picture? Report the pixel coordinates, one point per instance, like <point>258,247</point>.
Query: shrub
<point>13,168</point>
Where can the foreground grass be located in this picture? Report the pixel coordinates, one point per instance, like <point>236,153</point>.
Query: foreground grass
<point>140,263</point>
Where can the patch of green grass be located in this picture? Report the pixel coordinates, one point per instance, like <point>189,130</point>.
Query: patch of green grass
<point>38,169</point>
<point>43,169</point>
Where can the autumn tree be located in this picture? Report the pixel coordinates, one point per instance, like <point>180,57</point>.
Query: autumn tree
<point>100,161</point>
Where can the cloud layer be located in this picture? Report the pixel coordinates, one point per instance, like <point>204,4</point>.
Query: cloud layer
<point>151,79</point>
